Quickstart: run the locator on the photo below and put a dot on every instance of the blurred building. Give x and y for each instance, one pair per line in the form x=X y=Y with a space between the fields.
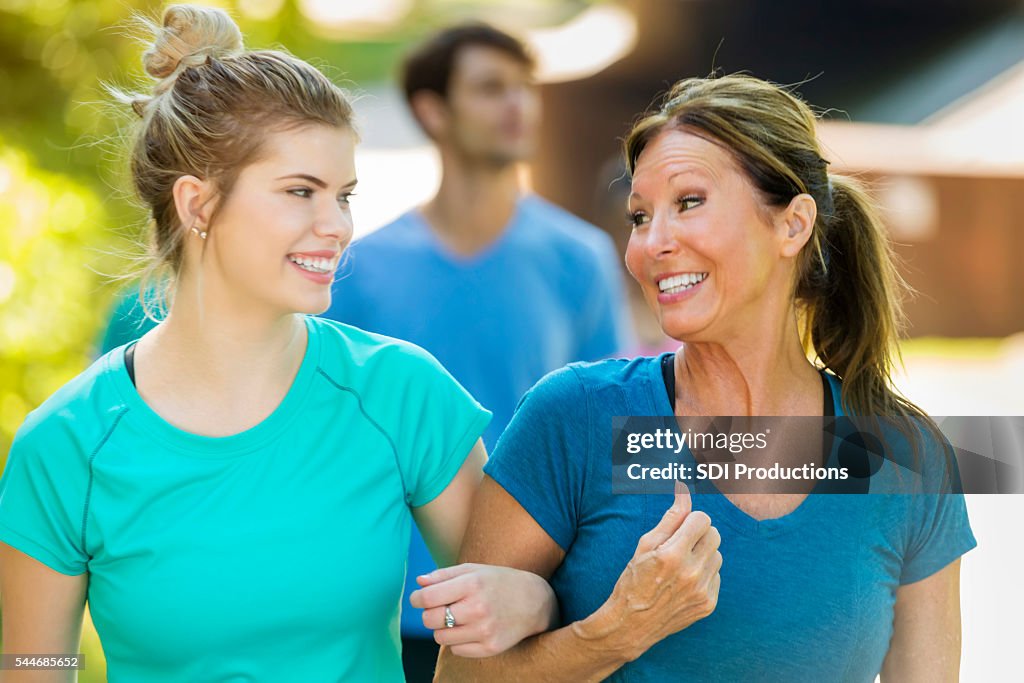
x=936 y=91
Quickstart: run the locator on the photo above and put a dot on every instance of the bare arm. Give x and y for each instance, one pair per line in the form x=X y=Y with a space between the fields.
x=42 y=613
x=925 y=642
x=443 y=520
x=671 y=582
x=495 y=607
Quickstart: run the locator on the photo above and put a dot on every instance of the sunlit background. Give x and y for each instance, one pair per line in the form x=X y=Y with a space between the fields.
x=924 y=98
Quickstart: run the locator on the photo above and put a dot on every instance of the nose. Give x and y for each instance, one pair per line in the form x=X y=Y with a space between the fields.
x=662 y=237
x=334 y=221
x=520 y=97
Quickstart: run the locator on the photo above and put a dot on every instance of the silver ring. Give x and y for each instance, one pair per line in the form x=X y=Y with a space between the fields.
x=449 y=619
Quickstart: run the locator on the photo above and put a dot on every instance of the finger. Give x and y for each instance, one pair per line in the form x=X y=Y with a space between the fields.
x=683 y=499
x=433 y=618
x=457 y=635
x=707 y=544
x=445 y=593
x=714 y=587
x=443 y=574
x=689 y=532
x=472 y=650
x=670 y=521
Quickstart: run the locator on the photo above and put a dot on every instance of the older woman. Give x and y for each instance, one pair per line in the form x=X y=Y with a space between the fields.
x=743 y=244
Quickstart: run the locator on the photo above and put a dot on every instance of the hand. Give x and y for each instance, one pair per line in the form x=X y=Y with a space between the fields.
x=671 y=582
x=494 y=607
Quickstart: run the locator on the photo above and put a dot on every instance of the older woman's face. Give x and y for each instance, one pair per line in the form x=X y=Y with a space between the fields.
x=704 y=248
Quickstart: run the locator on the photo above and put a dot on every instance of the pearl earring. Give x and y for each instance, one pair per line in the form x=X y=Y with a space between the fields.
x=201 y=233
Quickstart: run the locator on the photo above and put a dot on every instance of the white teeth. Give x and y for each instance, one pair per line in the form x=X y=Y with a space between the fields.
x=678 y=283
x=314 y=265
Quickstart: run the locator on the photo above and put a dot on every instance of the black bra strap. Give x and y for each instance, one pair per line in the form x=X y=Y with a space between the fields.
x=129 y=361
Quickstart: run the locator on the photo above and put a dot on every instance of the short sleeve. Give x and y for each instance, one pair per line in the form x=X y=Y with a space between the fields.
x=940 y=529
x=438 y=422
x=42 y=503
x=540 y=459
x=603 y=326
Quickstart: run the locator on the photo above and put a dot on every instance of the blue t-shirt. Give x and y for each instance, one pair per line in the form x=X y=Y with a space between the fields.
x=275 y=554
x=546 y=293
x=805 y=597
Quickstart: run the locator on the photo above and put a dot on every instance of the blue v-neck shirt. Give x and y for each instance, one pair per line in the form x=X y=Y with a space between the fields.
x=805 y=597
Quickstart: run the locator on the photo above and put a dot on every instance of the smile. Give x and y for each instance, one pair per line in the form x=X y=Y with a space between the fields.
x=680 y=283
x=314 y=264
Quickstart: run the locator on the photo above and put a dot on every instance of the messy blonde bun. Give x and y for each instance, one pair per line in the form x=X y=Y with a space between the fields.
x=209 y=115
x=188 y=37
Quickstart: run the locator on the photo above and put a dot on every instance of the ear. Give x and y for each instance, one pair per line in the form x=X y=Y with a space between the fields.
x=192 y=201
x=431 y=111
x=795 y=223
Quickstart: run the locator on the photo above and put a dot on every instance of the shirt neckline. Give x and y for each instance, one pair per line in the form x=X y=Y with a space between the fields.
x=460 y=260
x=156 y=427
x=715 y=503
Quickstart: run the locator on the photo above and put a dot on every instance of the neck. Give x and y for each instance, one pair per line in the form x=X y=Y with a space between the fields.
x=223 y=346
x=474 y=204
x=766 y=375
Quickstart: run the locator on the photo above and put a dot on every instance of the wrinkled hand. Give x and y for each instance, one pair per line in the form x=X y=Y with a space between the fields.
x=672 y=580
x=494 y=607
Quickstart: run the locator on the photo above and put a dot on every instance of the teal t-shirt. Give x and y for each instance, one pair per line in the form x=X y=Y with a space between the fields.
x=275 y=554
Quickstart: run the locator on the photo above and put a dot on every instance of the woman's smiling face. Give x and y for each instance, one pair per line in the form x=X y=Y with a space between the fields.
x=705 y=248
x=283 y=227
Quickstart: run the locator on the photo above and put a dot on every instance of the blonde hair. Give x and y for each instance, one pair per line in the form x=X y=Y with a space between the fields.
x=213 y=105
x=848 y=289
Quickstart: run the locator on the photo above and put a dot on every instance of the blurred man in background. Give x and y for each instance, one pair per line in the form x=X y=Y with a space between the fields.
x=500 y=285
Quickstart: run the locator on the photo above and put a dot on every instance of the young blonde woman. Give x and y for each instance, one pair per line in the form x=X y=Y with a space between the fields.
x=742 y=242
x=233 y=494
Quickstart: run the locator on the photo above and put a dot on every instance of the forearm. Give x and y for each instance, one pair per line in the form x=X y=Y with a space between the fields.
x=587 y=650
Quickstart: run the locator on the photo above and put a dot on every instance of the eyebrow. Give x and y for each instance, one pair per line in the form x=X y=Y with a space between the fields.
x=688 y=171
x=316 y=181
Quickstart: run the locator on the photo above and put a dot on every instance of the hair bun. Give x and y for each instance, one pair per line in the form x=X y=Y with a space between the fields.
x=188 y=31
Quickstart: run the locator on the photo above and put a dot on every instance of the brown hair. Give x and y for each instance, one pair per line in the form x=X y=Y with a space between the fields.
x=429 y=66
x=212 y=107
x=848 y=289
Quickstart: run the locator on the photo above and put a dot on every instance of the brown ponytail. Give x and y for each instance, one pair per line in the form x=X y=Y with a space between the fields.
x=850 y=299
